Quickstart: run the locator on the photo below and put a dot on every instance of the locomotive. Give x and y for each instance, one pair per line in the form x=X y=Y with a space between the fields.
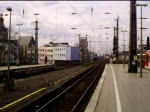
x=145 y=59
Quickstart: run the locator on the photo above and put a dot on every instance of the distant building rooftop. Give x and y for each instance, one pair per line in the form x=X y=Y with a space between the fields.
x=56 y=44
x=25 y=40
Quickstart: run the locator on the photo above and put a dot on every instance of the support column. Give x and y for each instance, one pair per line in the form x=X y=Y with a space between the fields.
x=132 y=65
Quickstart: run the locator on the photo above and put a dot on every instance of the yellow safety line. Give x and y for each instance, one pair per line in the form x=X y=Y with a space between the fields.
x=21 y=99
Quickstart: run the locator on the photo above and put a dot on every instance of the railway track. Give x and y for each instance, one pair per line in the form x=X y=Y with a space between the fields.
x=71 y=97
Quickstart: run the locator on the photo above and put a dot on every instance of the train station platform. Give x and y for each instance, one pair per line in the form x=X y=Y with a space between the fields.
x=120 y=91
x=3 y=68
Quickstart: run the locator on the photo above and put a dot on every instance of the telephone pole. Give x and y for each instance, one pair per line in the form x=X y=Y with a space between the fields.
x=141 y=51
x=36 y=42
x=114 y=44
x=117 y=39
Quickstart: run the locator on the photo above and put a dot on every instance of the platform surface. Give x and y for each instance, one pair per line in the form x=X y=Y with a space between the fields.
x=130 y=94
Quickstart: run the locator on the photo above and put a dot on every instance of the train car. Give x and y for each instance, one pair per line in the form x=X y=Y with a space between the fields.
x=143 y=60
x=147 y=59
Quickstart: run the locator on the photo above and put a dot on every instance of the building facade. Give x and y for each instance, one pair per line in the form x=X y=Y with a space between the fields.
x=3 y=40
x=3 y=30
x=41 y=55
x=4 y=45
x=61 y=53
x=75 y=53
x=58 y=51
x=44 y=52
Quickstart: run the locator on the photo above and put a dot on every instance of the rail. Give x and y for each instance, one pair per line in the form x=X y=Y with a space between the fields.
x=72 y=95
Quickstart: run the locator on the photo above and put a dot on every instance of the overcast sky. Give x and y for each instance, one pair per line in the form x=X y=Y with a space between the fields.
x=56 y=20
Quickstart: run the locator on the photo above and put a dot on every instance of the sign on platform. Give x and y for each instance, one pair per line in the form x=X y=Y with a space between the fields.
x=133 y=62
x=135 y=57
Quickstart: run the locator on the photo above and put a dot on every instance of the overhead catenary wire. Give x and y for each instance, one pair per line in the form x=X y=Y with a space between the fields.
x=78 y=14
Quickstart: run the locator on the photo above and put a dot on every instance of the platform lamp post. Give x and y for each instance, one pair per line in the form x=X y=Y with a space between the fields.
x=141 y=5
x=8 y=83
x=19 y=45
